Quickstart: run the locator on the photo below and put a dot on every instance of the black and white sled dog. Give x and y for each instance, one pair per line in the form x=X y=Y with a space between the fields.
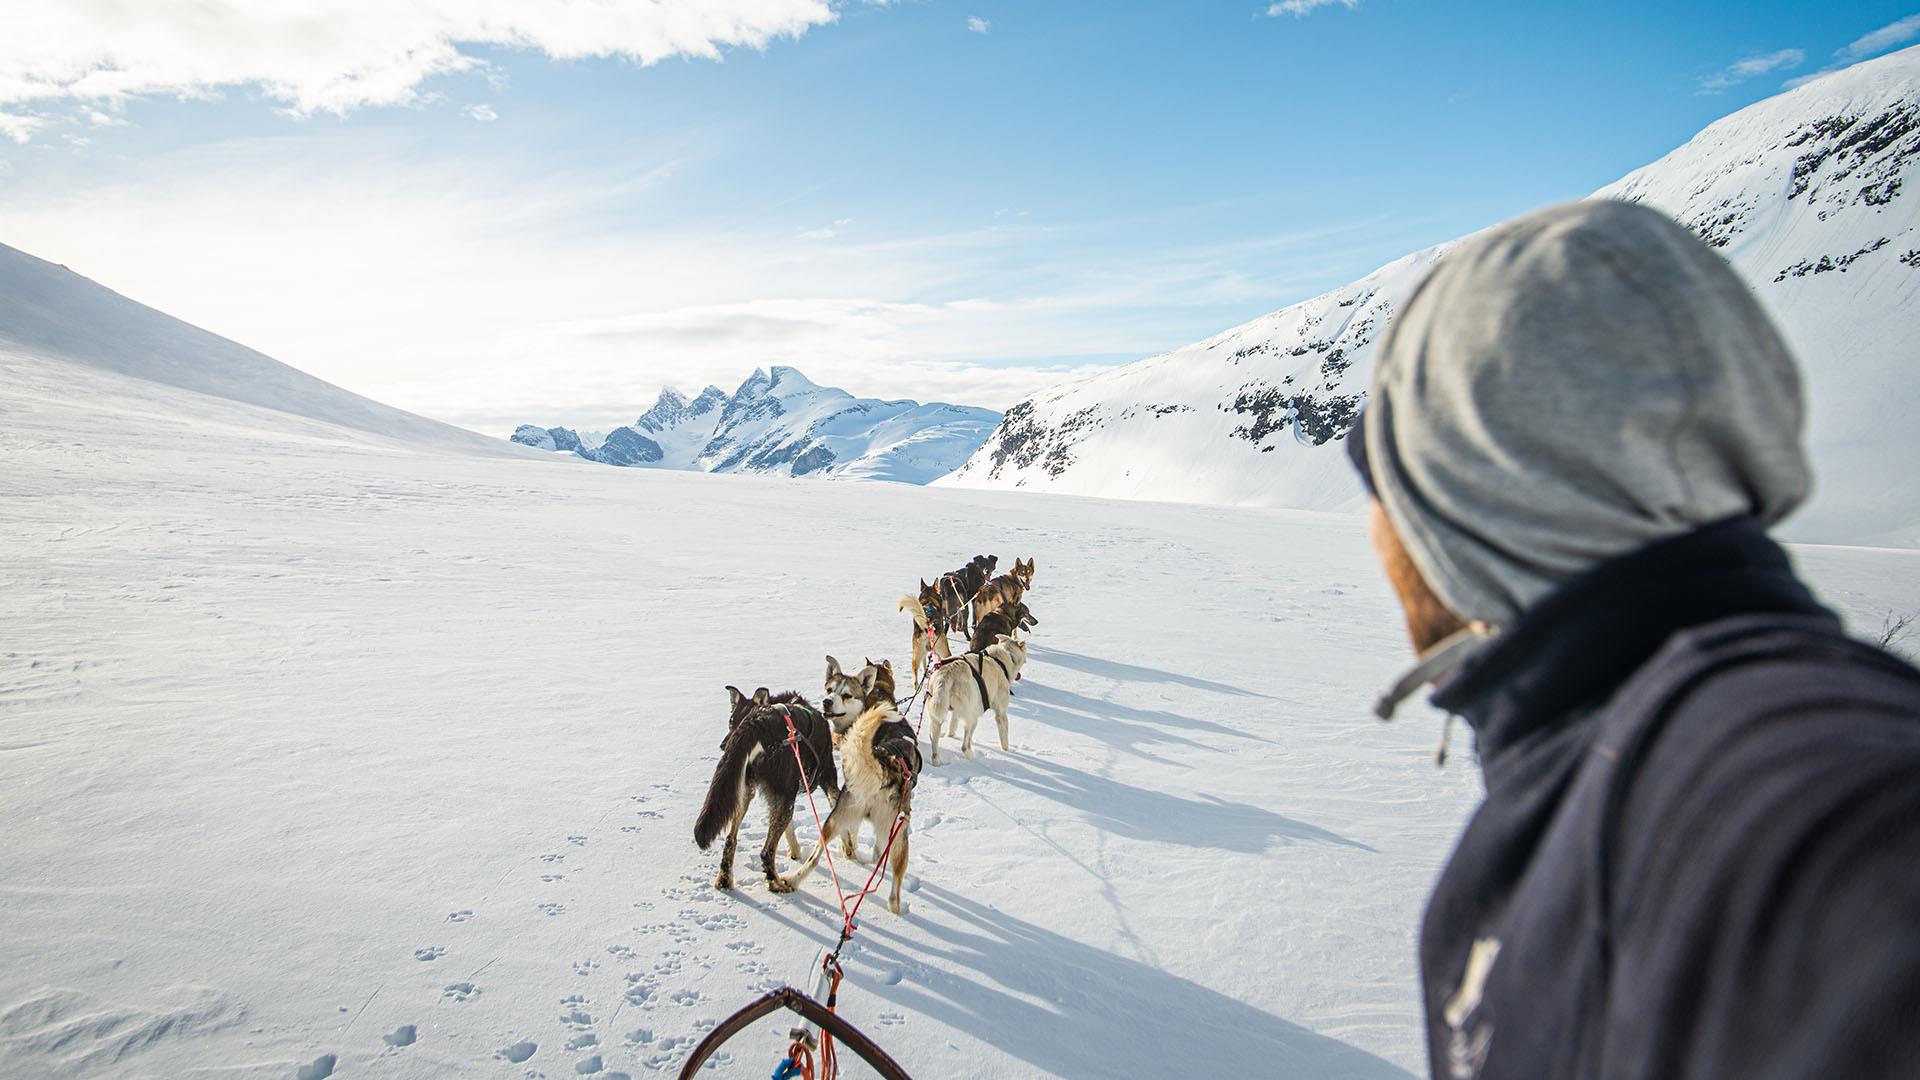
x=970 y=684
x=755 y=757
x=850 y=693
x=880 y=761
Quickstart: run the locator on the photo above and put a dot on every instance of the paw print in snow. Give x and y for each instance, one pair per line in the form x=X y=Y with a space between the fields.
x=431 y=952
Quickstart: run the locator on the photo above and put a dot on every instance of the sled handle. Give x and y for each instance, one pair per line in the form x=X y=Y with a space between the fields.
x=788 y=998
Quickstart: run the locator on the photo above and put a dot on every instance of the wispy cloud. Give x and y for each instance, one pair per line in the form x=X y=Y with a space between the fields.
x=335 y=56
x=1870 y=44
x=482 y=113
x=1879 y=41
x=1741 y=70
x=826 y=232
x=20 y=126
x=1302 y=8
x=977 y=24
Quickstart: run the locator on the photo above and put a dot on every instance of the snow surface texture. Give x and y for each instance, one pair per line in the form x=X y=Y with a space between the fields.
x=783 y=423
x=47 y=310
x=1814 y=195
x=314 y=765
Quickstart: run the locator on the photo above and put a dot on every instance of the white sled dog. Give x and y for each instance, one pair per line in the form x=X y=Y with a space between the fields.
x=969 y=685
x=880 y=765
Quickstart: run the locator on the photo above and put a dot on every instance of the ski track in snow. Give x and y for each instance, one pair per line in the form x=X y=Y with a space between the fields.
x=332 y=758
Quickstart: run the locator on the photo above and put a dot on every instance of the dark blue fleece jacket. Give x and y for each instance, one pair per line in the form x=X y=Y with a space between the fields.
x=1699 y=855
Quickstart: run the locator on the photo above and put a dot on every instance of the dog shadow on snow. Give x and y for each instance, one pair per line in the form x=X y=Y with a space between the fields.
x=1065 y=1007
x=1125 y=727
x=1124 y=672
x=1145 y=814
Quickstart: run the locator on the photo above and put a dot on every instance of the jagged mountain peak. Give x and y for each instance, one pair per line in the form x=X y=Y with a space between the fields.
x=787 y=380
x=780 y=421
x=755 y=385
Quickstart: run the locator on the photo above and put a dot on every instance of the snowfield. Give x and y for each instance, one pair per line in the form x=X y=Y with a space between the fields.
x=319 y=754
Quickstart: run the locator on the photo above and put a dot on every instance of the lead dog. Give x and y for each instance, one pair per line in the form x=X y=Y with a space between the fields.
x=1005 y=592
x=971 y=684
x=755 y=757
x=879 y=789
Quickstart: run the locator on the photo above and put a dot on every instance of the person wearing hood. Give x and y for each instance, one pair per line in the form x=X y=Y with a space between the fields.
x=1699 y=851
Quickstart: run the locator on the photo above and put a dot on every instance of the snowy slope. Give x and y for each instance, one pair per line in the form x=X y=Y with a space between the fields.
x=47 y=311
x=784 y=424
x=1814 y=195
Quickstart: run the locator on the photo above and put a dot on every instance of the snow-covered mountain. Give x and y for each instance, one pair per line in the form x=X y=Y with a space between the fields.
x=1811 y=195
x=52 y=318
x=781 y=422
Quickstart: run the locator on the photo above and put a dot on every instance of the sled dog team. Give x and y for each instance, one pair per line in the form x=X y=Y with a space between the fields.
x=879 y=762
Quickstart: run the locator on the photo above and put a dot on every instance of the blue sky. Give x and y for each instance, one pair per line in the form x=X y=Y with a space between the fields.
x=475 y=218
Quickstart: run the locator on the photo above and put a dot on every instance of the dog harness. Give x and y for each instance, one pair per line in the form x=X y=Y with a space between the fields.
x=787 y=710
x=976 y=669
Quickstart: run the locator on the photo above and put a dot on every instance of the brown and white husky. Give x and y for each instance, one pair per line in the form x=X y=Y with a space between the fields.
x=879 y=770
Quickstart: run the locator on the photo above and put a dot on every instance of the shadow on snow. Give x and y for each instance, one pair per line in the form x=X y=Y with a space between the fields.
x=1123 y=726
x=1068 y=1008
x=1123 y=672
x=1145 y=814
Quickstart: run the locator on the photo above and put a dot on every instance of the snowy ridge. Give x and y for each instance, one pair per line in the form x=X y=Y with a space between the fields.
x=51 y=314
x=780 y=422
x=1811 y=196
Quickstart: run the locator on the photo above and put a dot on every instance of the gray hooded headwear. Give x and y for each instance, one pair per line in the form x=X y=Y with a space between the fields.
x=1569 y=387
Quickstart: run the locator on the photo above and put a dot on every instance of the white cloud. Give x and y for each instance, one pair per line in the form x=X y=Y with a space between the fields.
x=977 y=24
x=482 y=113
x=1878 y=41
x=334 y=56
x=1866 y=45
x=19 y=126
x=1742 y=70
x=825 y=232
x=1301 y=8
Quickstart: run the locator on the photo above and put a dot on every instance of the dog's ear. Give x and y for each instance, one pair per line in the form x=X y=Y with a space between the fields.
x=734 y=698
x=1001 y=639
x=867 y=677
x=833 y=668
x=761 y=695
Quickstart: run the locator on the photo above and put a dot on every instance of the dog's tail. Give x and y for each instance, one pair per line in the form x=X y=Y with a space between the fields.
x=728 y=792
x=859 y=737
x=912 y=604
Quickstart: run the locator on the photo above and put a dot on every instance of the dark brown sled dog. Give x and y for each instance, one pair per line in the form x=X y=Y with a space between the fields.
x=755 y=757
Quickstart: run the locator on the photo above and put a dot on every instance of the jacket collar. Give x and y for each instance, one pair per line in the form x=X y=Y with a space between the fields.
x=1572 y=650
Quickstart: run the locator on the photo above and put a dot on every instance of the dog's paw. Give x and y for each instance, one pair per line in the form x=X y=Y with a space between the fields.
x=780 y=885
x=724 y=882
